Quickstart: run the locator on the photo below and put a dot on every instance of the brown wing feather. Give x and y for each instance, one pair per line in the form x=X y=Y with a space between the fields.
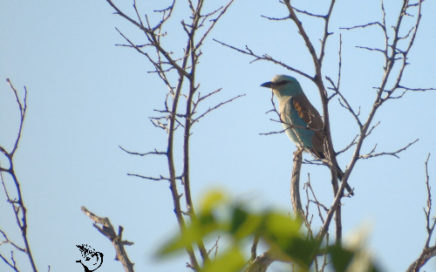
x=314 y=122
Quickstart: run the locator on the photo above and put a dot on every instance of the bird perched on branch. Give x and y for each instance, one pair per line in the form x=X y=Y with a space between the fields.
x=301 y=120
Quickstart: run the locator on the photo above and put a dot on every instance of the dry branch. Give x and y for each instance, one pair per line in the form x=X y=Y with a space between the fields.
x=178 y=74
x=295 y=184
x=104 y=226
x=428 y=251
x=15 y=198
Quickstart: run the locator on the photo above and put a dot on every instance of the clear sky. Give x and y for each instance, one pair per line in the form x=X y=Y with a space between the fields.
x=87 y=97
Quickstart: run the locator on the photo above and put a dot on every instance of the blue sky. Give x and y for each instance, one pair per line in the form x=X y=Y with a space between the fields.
x=87 y=97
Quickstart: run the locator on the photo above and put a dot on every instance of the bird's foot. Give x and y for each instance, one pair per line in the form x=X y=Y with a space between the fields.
x=298 y=152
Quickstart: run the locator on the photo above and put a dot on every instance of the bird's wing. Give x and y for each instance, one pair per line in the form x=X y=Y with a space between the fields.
x=307 y=112
x=313 y=122
x=295 y=127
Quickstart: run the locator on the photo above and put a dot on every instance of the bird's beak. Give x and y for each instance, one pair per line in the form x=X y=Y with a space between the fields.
x=267 y=84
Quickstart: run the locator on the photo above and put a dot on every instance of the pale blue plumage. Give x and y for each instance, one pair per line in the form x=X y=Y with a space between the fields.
x=299 y=134
x=302 y=122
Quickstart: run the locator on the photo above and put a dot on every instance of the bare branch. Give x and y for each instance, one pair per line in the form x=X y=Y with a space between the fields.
x=428 y=251
x=214 y=21
x=295 y=184
x=160 y=178
x=272 y=132
x=332 y=210
x=154 y=152
x=415 y=89
x=352 y=143
x=152 y=36
x=313 y=162
x=254 y=248
x=430 y=222
x=6 y=240
x=261 y=263
x=104 y=226
x=275 y=18
x=363 y=26
x=181 y=93
x=344 y=102
x=210 y=109
x=214 y=247
x=311 y=14
x=370 y=130
x=304 y=35
x=311 y=198
x=10 y=262
x=201 y=98
x=395 y=153
x=371 y=49
x=17 y=202
x=265 y=57
x=22 y=105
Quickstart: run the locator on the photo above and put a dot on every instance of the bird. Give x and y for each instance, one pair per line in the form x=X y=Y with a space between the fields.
x=302 y=122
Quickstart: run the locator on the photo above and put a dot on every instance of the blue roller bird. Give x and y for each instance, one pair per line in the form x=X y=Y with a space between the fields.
x=302 y=122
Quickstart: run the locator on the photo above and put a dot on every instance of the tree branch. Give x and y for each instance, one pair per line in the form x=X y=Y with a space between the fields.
x=17 y=203
x=395 y=153
x=104 y=226
x=295 y=184
x=428 y=251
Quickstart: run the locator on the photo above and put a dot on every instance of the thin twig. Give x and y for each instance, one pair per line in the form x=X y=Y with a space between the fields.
x=428 y=251
x=154 y=152
x=265 y=57
x=395 y=153
x=16 y=199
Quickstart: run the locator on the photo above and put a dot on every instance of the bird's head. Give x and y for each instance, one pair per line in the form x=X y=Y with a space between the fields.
x=283 y=85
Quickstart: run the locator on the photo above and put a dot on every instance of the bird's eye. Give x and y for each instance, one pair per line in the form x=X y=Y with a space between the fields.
x=280 y=83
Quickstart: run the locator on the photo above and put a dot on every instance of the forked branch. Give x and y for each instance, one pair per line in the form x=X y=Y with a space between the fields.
x=104 y=226
x=15 y=196
x=429 y=251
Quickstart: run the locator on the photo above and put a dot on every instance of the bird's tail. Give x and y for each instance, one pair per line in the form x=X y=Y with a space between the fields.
x=340 y=176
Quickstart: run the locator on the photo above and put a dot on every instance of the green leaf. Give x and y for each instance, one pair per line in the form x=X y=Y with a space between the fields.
x=282 y=225
x=287 y=241
x=243 y=223
x=341 y=257
x=193 y=233
x=231 y=260
x=211 y=200
x=344 y=259
x=301 y=250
